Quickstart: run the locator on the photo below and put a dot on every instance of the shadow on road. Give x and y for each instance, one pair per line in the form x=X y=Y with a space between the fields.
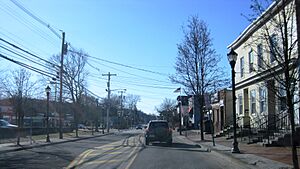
x=178 y=146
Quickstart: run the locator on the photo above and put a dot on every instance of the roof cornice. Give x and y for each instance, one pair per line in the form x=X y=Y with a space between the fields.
x=257 y=23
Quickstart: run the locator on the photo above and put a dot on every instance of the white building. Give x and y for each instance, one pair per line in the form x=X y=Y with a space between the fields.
x=260 y=87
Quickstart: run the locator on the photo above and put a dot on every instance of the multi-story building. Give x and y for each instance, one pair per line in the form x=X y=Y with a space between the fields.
x=221 y=107
x=262 y=48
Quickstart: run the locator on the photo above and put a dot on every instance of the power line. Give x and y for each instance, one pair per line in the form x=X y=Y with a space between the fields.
x=128 y=73
x=28 y=24
x=36 y=18
x=42 y=72
x=23 y=50
x=24 y=57
x=4 y=33
x=127 y=66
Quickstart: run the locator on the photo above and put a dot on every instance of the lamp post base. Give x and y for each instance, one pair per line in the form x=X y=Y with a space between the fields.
x=235 y=148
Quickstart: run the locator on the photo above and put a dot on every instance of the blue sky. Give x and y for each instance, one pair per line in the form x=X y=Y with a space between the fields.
x=139 y=33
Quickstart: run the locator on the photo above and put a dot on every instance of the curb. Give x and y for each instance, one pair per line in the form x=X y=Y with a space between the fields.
x=251 y=160
x=26 y=147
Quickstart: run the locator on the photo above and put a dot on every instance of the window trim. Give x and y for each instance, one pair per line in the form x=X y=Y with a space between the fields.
x=240 y=101
x=262 y=99
x=253 y=101
x=259 y=56
x=251 y=61
x=242 y=62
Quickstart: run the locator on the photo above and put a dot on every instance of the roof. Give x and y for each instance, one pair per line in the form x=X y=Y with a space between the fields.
x=257 y=23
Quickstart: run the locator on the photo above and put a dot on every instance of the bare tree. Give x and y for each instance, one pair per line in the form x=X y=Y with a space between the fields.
x=167 y=110
x=18 y=87
x=197 y=64
x=131 y=103
x=278 y=38
x=74 y=79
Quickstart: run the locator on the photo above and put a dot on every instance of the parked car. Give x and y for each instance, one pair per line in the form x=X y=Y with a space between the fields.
x=6 y=124
x=158 y=130
x=139 y=127
x=81 y=126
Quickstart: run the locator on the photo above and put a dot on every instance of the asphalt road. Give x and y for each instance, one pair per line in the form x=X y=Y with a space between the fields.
x=125 y=150
x=57 y=155
x=182 y=155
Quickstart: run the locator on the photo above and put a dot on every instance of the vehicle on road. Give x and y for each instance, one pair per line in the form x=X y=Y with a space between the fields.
x=81 y=126
x=6 y=124
x=139 y=127
x=158 y=130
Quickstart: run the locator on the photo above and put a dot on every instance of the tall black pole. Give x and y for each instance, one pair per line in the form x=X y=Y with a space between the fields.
x=235 y=148
x=47 y=117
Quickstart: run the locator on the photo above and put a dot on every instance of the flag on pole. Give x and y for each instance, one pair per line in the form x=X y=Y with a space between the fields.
x=177 y=90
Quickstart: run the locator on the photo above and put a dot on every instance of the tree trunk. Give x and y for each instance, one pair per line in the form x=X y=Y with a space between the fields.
x=201 y=116
x=293 y=138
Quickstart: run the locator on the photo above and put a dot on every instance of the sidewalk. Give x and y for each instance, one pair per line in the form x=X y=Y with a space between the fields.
x=26 y=144
x=252 y=154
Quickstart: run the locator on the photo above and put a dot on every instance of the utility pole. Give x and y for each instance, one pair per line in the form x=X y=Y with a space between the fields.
x=97 y=101
x=108 y=98
x=121 y=113
x=63 y=48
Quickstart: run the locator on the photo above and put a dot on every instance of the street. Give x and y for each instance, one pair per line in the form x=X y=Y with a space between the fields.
x=124 y=150
x=56 y=155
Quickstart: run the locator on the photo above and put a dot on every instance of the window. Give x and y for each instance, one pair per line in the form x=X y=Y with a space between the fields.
x=240 y=99
x=273 y=46
x=251 y=60
x=262 y=99
x=253 y=101
x=242 y=66
x=259 y=56
x=282 y=97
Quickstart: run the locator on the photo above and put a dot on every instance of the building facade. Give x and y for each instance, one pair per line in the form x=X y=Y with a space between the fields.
x=221 y=108
x=260 y=79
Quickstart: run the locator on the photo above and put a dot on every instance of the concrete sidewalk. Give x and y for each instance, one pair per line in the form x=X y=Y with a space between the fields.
x=251 y=154
x=12 y=146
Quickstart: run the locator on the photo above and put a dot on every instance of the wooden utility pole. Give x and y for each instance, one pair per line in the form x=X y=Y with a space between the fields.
x=60 y=82
x=108 y=99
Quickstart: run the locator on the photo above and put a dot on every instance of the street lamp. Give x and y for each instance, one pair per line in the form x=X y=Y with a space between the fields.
x=232 y=56
x=48 y=89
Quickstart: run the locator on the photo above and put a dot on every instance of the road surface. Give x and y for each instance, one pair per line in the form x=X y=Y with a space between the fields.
x=123 y=150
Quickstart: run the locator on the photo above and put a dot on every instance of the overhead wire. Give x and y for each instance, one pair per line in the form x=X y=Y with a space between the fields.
x=38 y=19
x=28 y=24
x=26 y=58
x=25 y=51
x=5 y=33
x=123 y=65
x=42 y=72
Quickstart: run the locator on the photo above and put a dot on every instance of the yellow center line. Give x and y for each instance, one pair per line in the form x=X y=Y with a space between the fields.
x=78 y=160
x=103 y=161
x=115 y=152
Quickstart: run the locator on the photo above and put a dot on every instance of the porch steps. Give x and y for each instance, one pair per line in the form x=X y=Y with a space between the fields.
x=284 y=139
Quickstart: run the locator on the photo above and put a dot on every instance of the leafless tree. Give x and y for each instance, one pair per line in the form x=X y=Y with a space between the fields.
x=197 y=64
x=167 y=110
x=18 y=87
x=74 y=79
x=277 y=37
x=131 y=101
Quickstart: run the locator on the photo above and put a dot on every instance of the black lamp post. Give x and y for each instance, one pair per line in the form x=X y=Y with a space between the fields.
x=48 y=89
x=232 y=56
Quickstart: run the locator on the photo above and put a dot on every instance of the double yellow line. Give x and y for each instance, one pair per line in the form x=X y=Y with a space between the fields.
x=77 y=162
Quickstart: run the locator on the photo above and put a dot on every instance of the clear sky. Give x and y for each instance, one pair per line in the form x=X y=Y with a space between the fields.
x=138 y=33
